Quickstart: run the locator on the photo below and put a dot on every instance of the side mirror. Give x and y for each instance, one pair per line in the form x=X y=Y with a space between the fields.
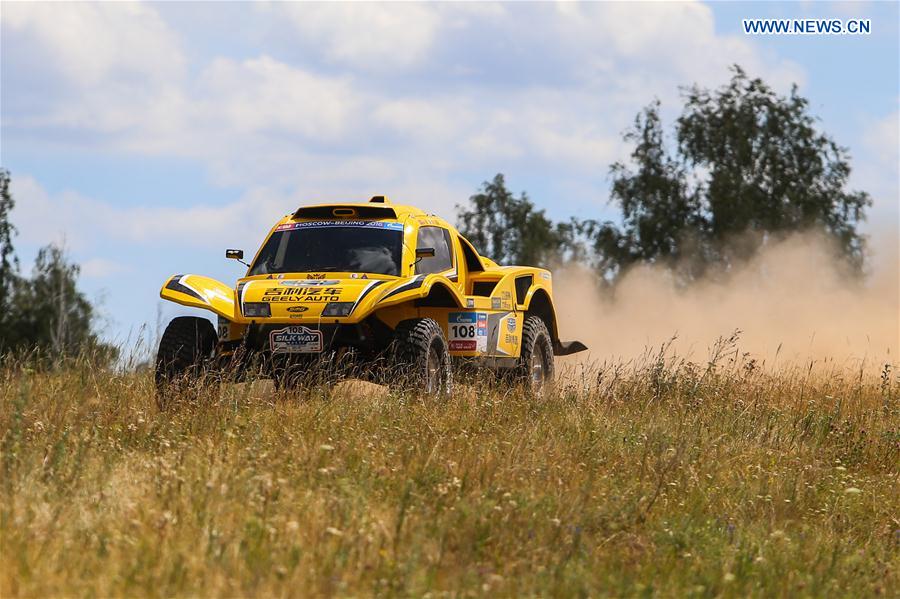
x=424 y=253
x=236 y=255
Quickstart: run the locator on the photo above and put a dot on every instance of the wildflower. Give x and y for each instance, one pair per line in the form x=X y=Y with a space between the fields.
x=729 y=577
x=334 y=531
x=326 y=447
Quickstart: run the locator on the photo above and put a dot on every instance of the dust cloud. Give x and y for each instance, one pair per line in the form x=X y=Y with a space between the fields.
x=792 y=303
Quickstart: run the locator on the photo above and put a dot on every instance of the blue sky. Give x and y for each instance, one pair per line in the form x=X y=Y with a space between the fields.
x=150 y=137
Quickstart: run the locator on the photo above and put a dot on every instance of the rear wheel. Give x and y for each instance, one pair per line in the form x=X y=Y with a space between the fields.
x=535 y=368
x=186 y=348
x=421 y=356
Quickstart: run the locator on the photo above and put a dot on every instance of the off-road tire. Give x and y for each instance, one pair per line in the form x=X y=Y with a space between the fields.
x=185 y=350
x=420 y=357
x=535 y=368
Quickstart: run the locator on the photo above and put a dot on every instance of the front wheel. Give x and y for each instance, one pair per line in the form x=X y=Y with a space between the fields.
x=535 y=367
x=421 y=356
x=187 y=345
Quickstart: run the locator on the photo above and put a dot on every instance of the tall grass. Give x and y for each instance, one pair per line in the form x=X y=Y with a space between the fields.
x=659 y=477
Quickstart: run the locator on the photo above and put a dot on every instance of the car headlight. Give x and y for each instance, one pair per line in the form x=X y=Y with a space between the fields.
x=257 y=310
x=337 y=309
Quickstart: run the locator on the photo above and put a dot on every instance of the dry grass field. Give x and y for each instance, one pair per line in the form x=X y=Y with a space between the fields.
x=657 y=477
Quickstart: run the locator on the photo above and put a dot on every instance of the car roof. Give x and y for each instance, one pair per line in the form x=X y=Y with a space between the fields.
x=379 y=208
x=400 y=209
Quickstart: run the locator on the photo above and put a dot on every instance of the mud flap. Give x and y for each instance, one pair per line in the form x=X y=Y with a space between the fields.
x=565 y=348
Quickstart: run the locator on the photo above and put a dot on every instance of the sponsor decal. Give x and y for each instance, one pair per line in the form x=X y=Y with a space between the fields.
x=545 y=276
x=511 y=324
x=463 y=345
x=302 y=294
x=365 y=224
x=462 y=317
x=315 y=282
x=470 y=303
x=316 y=275
x=295 y=340
x=512 y=340
x=467 y=331
x=297 y=309
x=495 y=303
x=223 y=326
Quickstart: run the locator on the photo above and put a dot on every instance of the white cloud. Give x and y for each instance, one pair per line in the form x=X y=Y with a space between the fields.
x=101 y=268
x=98 y=67
x=877 y=170
x=92 y=43
x=882 y=139
x=83 y=222
x=437 y=119
x=666 y=46
x=263 y=94
x=554 y=101
x=369 y=35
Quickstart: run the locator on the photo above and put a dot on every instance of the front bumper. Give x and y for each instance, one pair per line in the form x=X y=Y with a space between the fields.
x=278 y=338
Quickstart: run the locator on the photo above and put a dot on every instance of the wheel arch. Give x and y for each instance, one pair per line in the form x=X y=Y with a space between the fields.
x=540 y=305
x=440 y=295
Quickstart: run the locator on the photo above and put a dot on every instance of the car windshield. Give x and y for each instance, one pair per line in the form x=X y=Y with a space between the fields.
x=367 y=247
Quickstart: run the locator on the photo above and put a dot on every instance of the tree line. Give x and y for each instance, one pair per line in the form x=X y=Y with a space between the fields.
x=741 y=167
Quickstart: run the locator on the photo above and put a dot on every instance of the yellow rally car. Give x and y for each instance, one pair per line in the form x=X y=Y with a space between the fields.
x=398 y=294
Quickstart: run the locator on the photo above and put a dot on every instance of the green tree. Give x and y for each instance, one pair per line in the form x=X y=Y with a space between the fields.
x=510 y=230
x=745 y=165
x=8 y=262
x=49 y=312
x=45 y=313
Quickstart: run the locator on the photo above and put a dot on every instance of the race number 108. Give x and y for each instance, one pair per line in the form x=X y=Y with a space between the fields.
x=463 y=331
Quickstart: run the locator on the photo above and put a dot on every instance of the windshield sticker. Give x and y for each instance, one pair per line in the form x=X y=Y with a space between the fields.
x=366 y=224
x=309 y=283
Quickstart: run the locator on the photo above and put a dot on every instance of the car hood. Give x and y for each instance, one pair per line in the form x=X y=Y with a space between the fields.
x=298 y=298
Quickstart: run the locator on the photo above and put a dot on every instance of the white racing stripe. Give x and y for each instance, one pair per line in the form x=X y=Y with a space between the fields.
x=363 y=294
x=184 y=281
x=244 y=291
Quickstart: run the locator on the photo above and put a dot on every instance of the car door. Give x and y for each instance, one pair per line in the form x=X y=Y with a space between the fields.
x=438 y=238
